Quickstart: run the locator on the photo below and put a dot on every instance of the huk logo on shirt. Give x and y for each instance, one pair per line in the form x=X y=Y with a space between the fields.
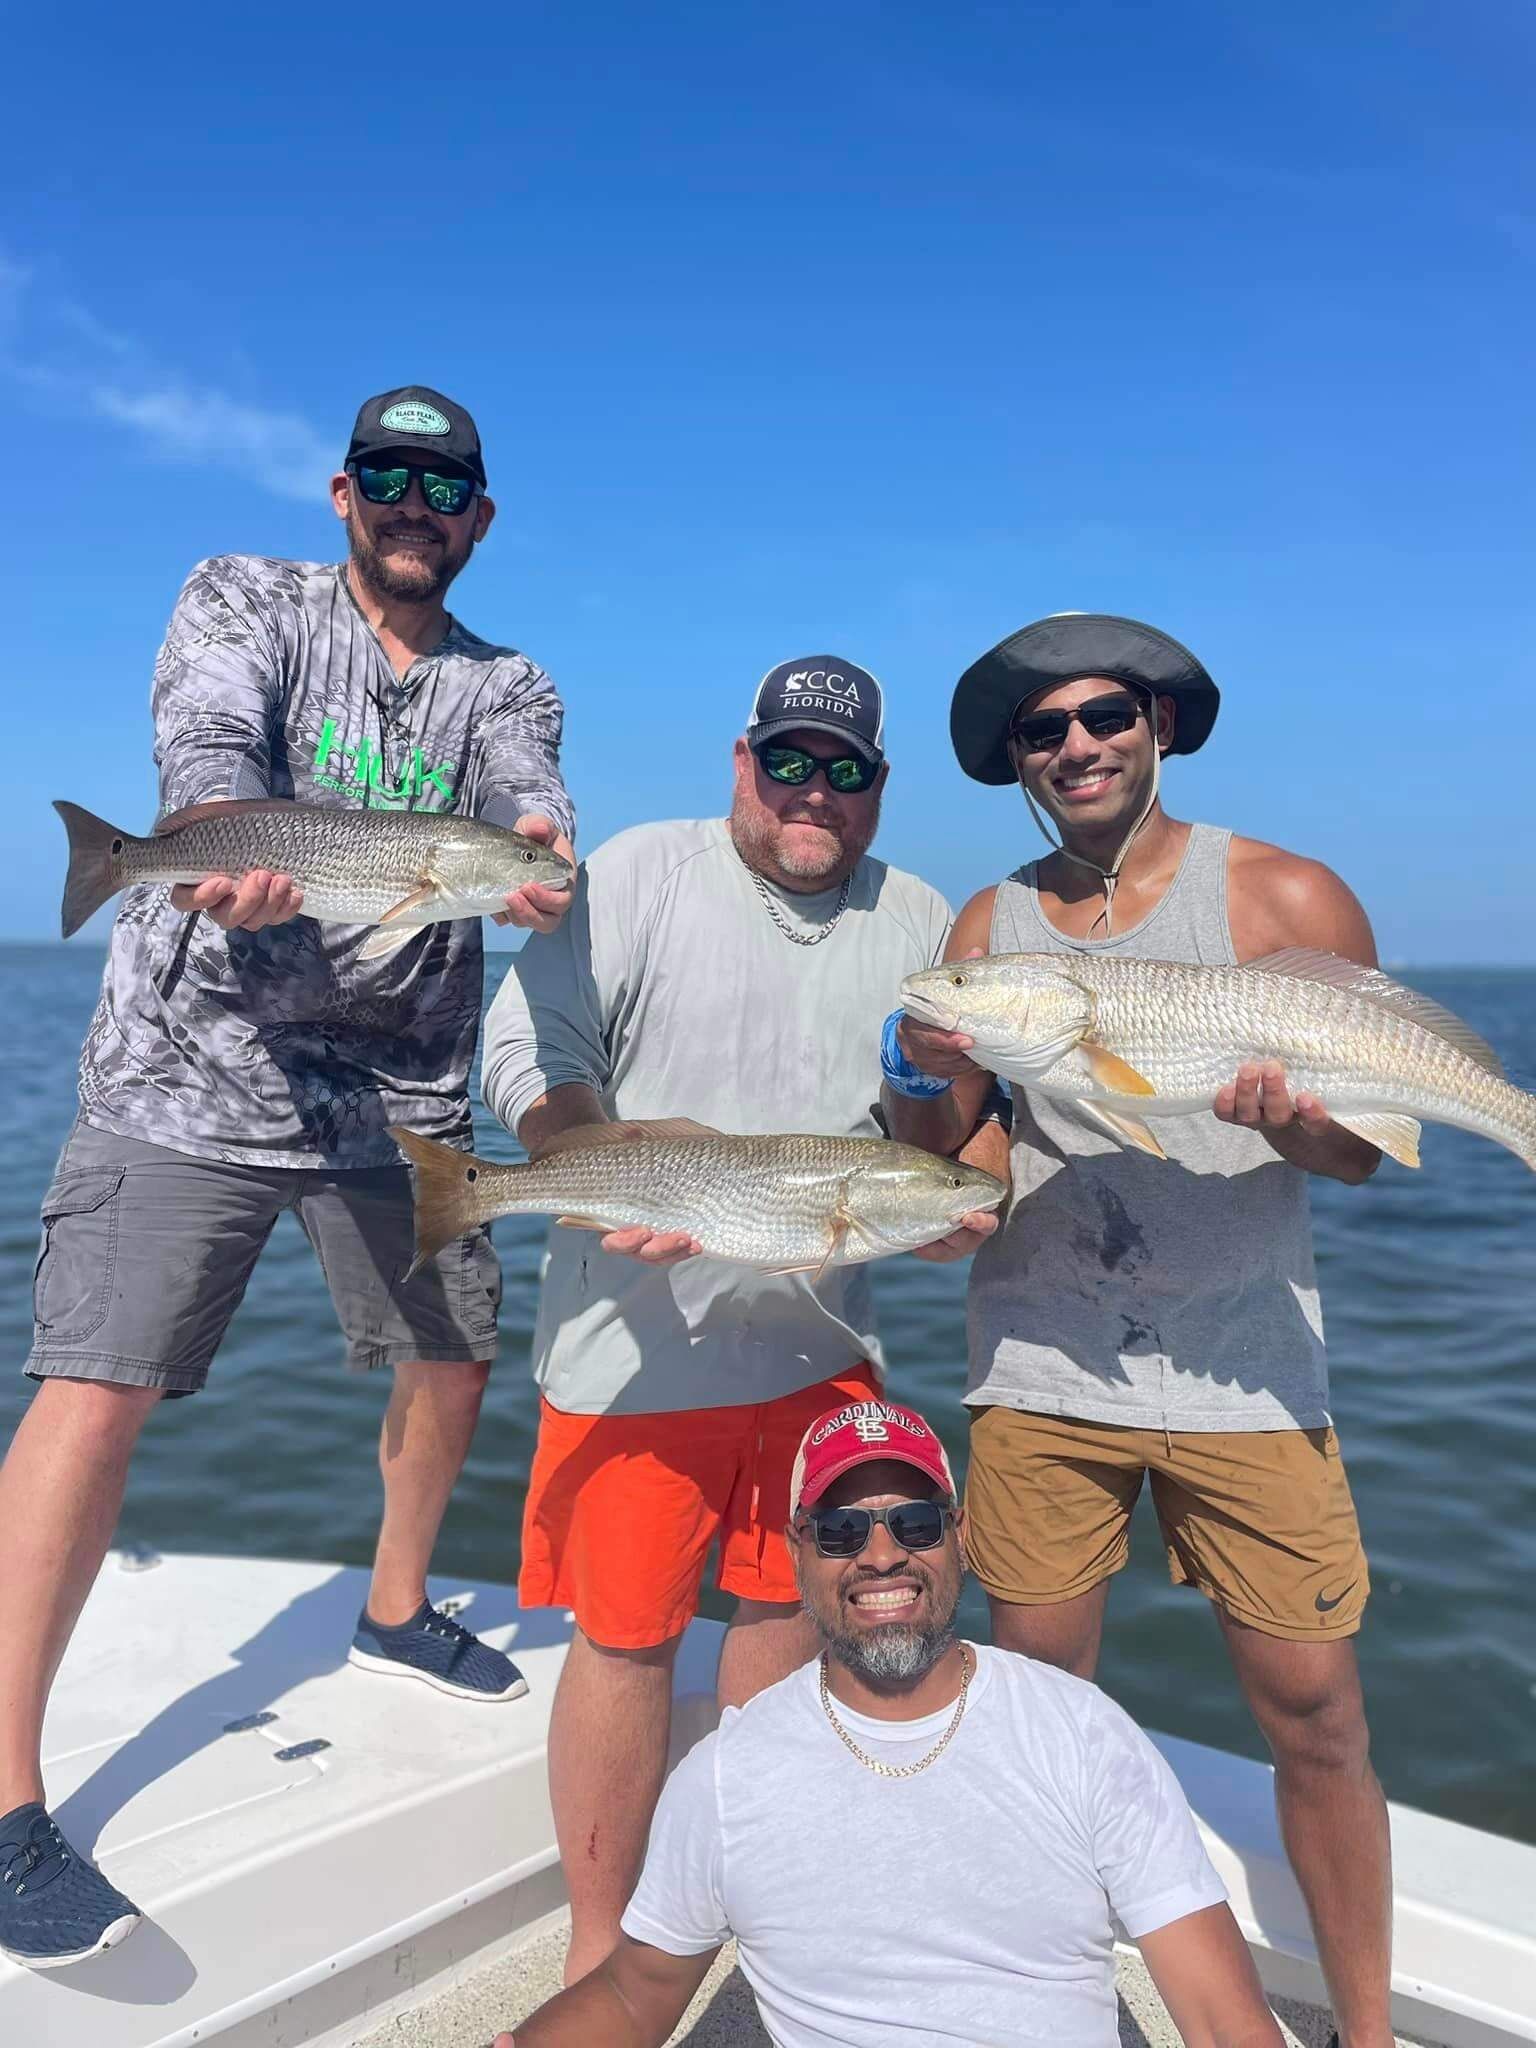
x=348 y=766
x=414 y=416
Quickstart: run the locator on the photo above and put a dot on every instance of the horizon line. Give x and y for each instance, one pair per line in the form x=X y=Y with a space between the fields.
x=1396 y=965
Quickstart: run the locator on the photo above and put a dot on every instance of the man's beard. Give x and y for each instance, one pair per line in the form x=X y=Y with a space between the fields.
x=759 y=839
x=424 y=584
x=898 y=1653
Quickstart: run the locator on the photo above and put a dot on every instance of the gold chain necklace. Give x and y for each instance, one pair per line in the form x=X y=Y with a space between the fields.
x=901 y=1770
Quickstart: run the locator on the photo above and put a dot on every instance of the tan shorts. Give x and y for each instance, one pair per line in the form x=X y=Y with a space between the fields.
x=1260 y=1522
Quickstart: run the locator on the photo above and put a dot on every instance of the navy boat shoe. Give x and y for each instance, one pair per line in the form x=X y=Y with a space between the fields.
x=436 y=1649
x=55 y=1908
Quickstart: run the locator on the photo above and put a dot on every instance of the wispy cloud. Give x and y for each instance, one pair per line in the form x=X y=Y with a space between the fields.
x=67 y=361
x=96 y=332
x=281 y=450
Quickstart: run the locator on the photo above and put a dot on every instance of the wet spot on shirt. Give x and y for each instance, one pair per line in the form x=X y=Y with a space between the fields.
x=1121 y=1237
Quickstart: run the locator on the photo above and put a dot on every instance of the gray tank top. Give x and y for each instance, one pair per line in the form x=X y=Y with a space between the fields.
x=1158 y=1294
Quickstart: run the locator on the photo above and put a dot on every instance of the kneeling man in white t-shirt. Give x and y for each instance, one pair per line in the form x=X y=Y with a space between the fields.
x=917 y=1842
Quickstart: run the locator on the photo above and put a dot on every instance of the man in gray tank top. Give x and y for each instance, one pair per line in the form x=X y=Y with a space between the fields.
x=1136 y=1316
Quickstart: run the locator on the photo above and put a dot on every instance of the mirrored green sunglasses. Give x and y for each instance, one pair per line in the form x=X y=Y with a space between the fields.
x=848 y=774
x=450 y=494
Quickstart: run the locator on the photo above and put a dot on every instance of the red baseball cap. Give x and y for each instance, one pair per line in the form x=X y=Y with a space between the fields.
x=859 y=1434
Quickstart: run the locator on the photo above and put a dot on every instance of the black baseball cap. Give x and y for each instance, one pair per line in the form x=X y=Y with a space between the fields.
x=417 y=417
x=1062 y=649
x=826 y=693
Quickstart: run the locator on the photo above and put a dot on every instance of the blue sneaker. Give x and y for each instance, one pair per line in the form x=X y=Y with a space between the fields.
x=434 y=1648
x=55 y=1908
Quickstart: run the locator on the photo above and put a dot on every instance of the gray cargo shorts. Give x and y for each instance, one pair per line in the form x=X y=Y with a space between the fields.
x=146 y=1253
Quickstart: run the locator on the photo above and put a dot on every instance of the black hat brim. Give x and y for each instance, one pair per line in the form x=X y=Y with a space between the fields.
x=773 y=727
x=1061 y=650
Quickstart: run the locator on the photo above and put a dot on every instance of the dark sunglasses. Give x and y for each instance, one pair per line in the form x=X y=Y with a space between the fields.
x=450 y=494
x=849 y=774
x=913 y=1525
x=1043 y=731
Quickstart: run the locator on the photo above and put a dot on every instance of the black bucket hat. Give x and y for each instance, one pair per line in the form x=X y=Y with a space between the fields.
x=1060 y=649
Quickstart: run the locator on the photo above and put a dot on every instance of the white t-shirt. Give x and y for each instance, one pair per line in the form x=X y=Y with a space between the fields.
x=968 y=1905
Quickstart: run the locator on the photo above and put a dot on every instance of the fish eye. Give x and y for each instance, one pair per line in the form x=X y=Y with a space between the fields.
x=957 y=981
x=528 y=856
x=955 y=1181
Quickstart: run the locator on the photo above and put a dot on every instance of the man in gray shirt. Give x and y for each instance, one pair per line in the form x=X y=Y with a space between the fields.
x=1144 y=1317
x=736 y=971
x=247 y=1060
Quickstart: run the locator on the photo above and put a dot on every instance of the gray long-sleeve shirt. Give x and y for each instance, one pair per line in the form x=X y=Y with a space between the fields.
x=281 y=1047
x=670 y=991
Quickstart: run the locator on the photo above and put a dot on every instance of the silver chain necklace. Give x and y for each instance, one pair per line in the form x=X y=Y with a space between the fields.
x=901 y=1770
x=799 y=938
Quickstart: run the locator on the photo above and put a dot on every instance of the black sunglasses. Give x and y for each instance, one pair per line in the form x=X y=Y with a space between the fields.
x=848 y=774
x=1043 y=731
x=450 y=494
x=913 y=1525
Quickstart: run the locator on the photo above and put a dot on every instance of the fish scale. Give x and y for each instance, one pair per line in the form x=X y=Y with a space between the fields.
x=775 y=1202
x=1367 y=1046
x=353 y=866
x=1189 y=1029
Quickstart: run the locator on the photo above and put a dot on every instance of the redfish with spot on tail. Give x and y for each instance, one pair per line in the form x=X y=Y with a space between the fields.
x=782 y=1204
x=1127 y=1040
x=398 y=870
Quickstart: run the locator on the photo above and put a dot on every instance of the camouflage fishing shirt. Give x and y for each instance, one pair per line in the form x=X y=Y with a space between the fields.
x=281 y=1047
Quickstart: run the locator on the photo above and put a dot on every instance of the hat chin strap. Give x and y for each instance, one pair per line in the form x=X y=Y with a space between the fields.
x=1109 y=876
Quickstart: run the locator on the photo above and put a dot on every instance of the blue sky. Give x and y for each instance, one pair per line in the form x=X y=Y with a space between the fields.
x=872 y=328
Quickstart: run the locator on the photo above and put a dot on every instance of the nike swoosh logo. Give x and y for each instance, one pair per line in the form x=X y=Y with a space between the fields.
x=1327 y=1606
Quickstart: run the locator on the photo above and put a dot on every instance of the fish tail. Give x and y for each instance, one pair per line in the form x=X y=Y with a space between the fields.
x=448 y=1198
x=95 y=876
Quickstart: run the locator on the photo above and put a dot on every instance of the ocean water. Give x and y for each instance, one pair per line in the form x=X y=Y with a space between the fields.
x=1429 y=1287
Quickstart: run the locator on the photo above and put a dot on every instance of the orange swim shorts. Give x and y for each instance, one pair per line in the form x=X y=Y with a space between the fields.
x=622 y=1509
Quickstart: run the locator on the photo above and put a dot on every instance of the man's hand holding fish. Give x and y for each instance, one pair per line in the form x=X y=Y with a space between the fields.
x=247 y=905
x=537 y=907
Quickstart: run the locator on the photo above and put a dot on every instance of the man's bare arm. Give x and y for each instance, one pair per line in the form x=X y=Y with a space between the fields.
x=1279 y=900
x=632 y=2000
x=1205 y=1976
x=563 y=1109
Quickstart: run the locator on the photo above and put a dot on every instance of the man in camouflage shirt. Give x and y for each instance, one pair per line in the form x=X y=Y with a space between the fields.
x=244 y=1060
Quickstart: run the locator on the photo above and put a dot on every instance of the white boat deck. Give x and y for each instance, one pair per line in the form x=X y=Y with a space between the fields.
x=330 y=1857
x=724 y=2015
